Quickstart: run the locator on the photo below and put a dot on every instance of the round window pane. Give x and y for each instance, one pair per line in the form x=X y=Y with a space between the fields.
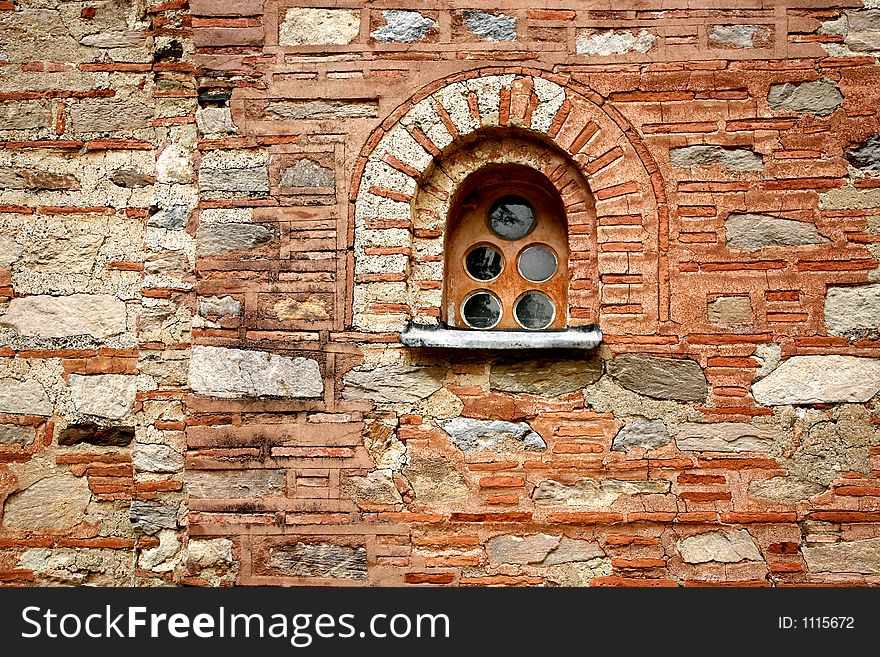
x=511 y=217
x=537 y=263
x=534 y=310
x=484 y=263
x=481 y=310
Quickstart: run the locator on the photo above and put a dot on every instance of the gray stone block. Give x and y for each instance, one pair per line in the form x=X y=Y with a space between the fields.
x=659 y=377
x=853 y=312
x=230 y=373
x=16 y=434
x=393 y=383
x=156 y=458
x=219 y=238
x=492 y=27
x=110 y=115
x=27 y=397
x=235 y=484
x=820 y=97
x=731 y=546
x=866 y=156
x=319 y=560
x=109 y=396
x=730 y=310
x=546 y=377
x=520 y=549
x=403 y=27
x=492 y=435
x=151 y=516
x=735 y=159
x=756 y=231
x=724 y=437
x=860 y=556
x=312 y=27
x=96 y=315
x=819 y=380
x=174 y=218
x=55 y=503
x=307 y=173
x=647 y=434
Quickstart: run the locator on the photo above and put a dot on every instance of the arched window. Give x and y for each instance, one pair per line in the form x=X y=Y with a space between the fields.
x=506 y=252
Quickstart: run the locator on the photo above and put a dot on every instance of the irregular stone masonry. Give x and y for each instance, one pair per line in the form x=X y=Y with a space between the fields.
x=216 y=218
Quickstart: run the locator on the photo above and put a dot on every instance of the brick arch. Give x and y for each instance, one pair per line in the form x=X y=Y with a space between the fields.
x=396 y=274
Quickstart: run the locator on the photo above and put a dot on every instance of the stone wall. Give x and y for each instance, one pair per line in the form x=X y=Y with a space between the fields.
x=215 y=218
x=98 y=189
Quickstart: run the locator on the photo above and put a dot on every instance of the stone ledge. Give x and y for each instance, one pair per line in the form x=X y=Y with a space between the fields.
x=581 y=337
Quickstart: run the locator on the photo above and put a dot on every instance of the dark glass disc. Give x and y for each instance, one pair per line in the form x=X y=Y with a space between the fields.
x=484 y=263
x=511 y=217
x=481 y=310
x=534 y=311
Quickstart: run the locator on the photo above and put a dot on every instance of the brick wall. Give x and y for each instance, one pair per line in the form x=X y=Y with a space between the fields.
x=217 y=217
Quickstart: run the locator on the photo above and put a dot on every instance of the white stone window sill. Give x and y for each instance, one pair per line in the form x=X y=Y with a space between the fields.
x=581 y=337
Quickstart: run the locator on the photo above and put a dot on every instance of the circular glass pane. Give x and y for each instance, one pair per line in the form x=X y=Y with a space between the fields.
x=481 y=310
x=484 y=263
x=537 y=263
x=511 y=217
x=534 y=310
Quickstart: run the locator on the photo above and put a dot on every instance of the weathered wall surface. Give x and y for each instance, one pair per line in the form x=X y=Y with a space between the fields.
x=98 y=186
x=215 y=218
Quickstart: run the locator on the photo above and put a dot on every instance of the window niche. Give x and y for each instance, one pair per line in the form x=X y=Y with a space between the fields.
x=506 y=253
x=509 y=273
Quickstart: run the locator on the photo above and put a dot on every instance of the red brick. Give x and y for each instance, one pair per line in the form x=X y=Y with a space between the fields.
x=584 y=518
x=458 y=540
x=804 y=183
x=16 y=575
x=112 y=457
x=226 y=8
x=675 y=464
x=836 y=265
x=751 y=583
x=429 y=578
x=503 y=500
x=700 y=479
x=673 y=128
x=413 y=517
x=651 y=96
x=111 y=543
x=502 y=482
x=858 y=491
x=619 y=539
x=845 y=516
x=492 y=467
x=638 y=563
x=632 y=582
x=644 y=268
x=744 y=517
x=652 y=516
x=785 y=567
x=313 y=452
x=451 y=562
x=513 y=516
x=738 y=463
x=700 y=496
x=550 y=14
